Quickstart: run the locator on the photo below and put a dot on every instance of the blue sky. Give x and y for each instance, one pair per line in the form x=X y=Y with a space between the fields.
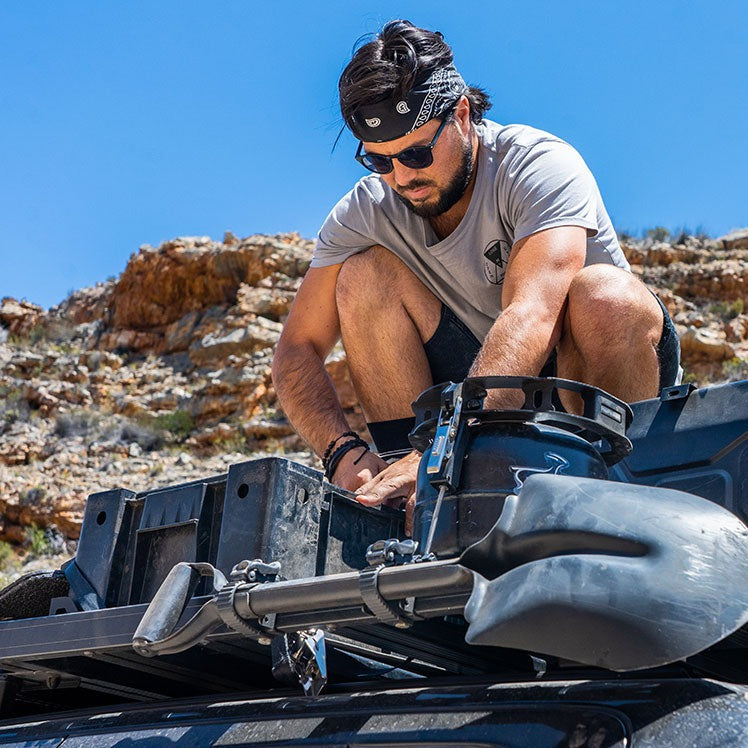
x=125 y=123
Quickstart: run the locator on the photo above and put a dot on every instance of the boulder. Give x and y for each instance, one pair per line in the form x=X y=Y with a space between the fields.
x=737 y=239
x=260 y=334
x=160 y=286
x=20 y=317
x=736 y=330
x=705 y=345
x=86 y=305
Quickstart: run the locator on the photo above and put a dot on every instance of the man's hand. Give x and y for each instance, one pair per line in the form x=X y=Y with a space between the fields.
x=357 y=468
x=393 y=486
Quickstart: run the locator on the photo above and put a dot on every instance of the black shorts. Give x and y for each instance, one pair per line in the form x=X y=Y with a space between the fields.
x=453 y=348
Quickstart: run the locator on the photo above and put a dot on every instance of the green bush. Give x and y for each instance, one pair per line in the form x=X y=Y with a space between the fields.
x=8 y=564
x=624 y=235
x=37 y=334
x=179 y=423
x=658 y=234
x=727 y=309
x=13 y=405
x=6 y=553
x=144 y=434
x=32 y=496
x=77 y=423
x=40 y=542
x=735 y=369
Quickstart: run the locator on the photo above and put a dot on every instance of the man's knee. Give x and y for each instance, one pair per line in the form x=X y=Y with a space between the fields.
x=376 y=280
x=363 y=277
x=608 y=299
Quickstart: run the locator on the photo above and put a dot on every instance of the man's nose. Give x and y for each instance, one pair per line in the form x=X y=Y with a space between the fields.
x=403 y=174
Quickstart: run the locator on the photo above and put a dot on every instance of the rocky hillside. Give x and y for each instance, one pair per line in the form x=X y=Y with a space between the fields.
x=163 y=375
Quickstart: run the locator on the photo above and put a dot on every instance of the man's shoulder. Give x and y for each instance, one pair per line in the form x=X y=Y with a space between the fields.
x=365 y=195
x=503 y=138
x=370 y=187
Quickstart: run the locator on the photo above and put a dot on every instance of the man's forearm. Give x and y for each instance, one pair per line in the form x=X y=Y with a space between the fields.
x=307 y=395
x=516 y=345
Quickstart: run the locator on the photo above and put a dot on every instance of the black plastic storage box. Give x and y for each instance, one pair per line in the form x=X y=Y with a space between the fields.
x=270 y=509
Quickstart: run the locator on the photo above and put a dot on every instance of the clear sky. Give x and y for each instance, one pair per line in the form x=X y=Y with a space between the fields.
x=125 y=123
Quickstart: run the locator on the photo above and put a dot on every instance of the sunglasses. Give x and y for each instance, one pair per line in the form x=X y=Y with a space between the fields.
x=415 y=157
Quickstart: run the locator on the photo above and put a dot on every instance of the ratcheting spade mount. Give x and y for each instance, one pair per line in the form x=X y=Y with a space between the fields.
x=478 y=456
x=289 y=614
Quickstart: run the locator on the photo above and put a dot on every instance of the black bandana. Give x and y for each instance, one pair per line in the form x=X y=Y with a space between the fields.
x=393 y=118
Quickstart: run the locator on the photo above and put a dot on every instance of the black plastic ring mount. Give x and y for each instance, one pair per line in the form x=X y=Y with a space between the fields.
x=604 y=418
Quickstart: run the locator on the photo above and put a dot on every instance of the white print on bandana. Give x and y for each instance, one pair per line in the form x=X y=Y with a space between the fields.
x=402 y=107
x=373 y=122
x=427 y=107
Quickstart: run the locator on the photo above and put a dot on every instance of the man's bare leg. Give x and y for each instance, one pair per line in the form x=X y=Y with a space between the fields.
x=386 y=315
x=611 y=330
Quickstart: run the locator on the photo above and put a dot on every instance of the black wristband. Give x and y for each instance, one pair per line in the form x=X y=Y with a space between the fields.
x=333 y=442
x=331 y=465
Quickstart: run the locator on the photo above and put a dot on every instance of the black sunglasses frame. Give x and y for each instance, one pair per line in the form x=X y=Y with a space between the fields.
x=415 y=157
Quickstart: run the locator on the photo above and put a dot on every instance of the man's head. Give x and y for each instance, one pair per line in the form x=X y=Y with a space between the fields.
x=433 y=190
x=403 y=98
x=400 y=80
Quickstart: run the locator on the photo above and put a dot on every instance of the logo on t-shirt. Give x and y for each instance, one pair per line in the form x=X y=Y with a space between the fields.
x=496 y=256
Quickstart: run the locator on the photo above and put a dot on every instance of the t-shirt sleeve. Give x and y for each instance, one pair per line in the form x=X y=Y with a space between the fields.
x=346 y=229
x=549 y=185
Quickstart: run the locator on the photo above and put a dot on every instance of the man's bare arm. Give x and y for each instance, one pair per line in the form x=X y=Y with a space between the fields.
x=301 y=381
x=538 y=277
x=304 y=388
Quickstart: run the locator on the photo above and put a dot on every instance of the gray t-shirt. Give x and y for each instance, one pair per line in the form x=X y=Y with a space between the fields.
x=526 y=180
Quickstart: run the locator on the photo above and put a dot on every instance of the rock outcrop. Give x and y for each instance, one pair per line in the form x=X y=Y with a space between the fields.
x=160 y=376
x=704 y=284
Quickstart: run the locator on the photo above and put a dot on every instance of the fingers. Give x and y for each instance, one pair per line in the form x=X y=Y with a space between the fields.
x=410 y=505
x=390 y=491
x=398 y=481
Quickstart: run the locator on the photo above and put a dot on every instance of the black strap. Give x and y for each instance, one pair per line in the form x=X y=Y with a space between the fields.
x=381 y=609
x=228 y=614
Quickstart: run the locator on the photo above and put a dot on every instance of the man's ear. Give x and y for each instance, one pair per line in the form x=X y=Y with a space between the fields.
x=462 y=113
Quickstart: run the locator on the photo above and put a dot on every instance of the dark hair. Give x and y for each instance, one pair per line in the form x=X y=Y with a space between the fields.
x=389 y=65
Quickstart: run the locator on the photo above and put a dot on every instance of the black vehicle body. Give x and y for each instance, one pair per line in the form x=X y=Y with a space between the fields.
x=596 y=712
x=236 y=643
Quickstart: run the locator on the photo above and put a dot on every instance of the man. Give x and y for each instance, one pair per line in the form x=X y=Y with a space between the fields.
x=473 y=249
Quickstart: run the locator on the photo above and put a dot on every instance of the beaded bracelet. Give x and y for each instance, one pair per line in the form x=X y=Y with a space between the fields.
x=332 y=444
x=331 y=465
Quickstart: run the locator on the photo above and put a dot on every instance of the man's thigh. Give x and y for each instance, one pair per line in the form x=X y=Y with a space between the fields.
x=668 y=353
x=375 y=283
x=450 y=353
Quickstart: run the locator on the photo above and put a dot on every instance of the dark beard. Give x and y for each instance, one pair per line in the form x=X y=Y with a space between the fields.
x=450 y=194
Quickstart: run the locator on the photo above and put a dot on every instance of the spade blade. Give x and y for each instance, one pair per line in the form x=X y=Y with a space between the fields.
x=608 y=574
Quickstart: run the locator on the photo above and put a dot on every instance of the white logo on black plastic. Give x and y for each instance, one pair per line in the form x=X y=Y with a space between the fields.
x=556 y=464
x=402 y=107
x=373 y=122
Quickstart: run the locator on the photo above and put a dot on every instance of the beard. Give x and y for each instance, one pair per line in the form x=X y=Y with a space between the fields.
x=450 y=194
